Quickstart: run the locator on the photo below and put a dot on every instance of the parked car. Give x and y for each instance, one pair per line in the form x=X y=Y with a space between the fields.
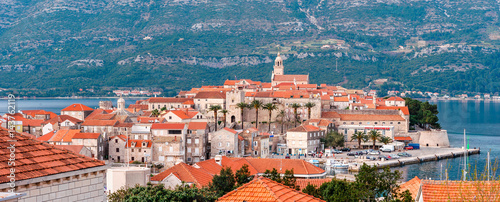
x=373 y=158
x=383 y=157
x=393 y=156
x=408 y=148
x=374 y=152
x=404 y=154
x=337 y=151
x=352 y=154
x=346 y=149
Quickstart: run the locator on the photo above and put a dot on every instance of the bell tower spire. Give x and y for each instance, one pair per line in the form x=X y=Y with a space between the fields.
x=278 y=66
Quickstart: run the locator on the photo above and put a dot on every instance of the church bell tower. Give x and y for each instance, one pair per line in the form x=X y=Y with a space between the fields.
x=278 y=66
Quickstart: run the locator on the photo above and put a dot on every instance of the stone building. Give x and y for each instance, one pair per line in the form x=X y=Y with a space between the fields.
x=304 y=139
x=46 y=173
x=93 y=141
x=226 y=142
x=196 y=142
x=117 y=151
x=78 y=111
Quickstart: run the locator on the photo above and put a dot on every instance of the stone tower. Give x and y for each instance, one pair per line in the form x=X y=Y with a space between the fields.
x=278 y=66
x=121 y=104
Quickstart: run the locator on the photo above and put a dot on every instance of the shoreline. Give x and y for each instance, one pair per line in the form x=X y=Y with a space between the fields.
x=72 y=98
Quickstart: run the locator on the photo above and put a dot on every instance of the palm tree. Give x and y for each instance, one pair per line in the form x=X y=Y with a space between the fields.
x=309 y=105
x=215 y=108
x=242 y=107
x=256 y=104
x=281 y=115
x=163 y=109
x=155 y=113
x=295 y=106
x=270 y=107
x=385 y=140
x=224 y=111
x=374 y=136
x=358 y=136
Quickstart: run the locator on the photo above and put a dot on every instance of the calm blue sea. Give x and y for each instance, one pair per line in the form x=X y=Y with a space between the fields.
x=480 y=119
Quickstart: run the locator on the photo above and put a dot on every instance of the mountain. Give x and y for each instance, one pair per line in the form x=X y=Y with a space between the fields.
x=58 y=47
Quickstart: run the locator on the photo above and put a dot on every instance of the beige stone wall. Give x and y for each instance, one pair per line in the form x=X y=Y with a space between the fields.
x=120 y=144
x=203 y=105
x=306 y=141
x=223 y=140
x=434 y=138
x=86 y=187
x=195 y=146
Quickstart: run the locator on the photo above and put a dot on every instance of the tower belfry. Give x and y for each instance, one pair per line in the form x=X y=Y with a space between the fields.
x=278 y=66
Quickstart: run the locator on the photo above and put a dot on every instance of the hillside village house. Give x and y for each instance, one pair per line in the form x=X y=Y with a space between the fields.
x=169 y=143
x=197 y=142
x=226 y=142
x=256 y=144
x=46 y=173
x=139 y=150
x=304 y=139
x=117 y=151
x=78 y=111
x=60 y=122
x=93 y=141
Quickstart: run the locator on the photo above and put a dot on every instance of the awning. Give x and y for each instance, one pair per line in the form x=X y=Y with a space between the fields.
x=402 y=138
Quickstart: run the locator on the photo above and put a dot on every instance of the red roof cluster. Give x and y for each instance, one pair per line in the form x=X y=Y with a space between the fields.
x=37 y=159
x=77 y=107
x=263 y=189
x=186 y=173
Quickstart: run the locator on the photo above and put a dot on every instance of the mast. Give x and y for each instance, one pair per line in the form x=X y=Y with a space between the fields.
x=488 y=163
x=465 y=157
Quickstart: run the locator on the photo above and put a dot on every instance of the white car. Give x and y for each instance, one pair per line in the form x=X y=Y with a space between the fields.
x=374 y=152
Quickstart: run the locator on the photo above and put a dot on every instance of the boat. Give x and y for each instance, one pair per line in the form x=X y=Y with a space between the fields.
x=337 y=164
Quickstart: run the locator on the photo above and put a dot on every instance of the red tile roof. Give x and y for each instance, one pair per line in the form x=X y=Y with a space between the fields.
x=210 y=95
x=73 y=148
x=290 y=77
x=180 y=114
x=46 y=137
x=168 y=126
x=370 y=117
x=402 y=138
x=122 y=137
x=186 y=173
x=395 y=99
x=94 y=122
x=197 y=125
x=32 y=122
x=230 y=130
x=37 y=159
x=403 y=109
x=412 y=185
x=62 y=118
x=260 y=165
x=330 y=115
x=302 y=183
x=263 y=189
x=460 y=190
x=240 y=138
x=138 y=106
x=319 y=122
x=86 y=136
x=304 y=128
x=33 y=113
x=341 y=99
x=168 y=100
x=77 y=107
x=138 y=143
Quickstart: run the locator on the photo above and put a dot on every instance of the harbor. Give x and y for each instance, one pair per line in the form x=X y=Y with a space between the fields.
x=425 y=154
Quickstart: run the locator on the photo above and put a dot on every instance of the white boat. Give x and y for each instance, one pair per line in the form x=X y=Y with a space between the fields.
x=337 y=164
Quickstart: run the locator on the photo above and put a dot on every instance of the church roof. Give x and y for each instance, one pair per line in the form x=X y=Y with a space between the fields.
x=291 y=77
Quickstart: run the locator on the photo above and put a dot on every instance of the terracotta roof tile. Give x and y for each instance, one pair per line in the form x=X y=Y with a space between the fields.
x=230 y=130
x=168 y=126
x=290 y=77
x=302 y=183
x=46 y=137
x=94 y=122
x=330 y=115
x=37 y=159
x=122 y=137
x=370 y=117
x=460 y=190
x=168 y=100
x=138 y=143
x=210 y=95
x=395 y=99
x=263 y=189
x=197 y=125
x=304 y=128
x=412 y=185
x=62 y=118
x=186 y=173
x=403 y=109
x=73 y=148
x=86 y=136
x=340 y=99
x=77 y=107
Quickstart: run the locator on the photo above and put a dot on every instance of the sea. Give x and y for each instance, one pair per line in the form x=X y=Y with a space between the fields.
x=480 y=119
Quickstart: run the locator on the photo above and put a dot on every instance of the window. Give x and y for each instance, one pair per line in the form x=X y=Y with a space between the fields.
x=132 y=150
x=399 y=122
x=174 y=131
x=255 y=152
x=360 y=123
x=132 y=158
x=352 y=122
x=139 y=150
x=189 y=140
x=169 y=117
x=254 y=143
x=116 y=140
x=189 y=150
x=220 y=144
x=228 y=144
x=383 y=123
x=293 y=142
x=344 y=122
x=391 y=123
x=189 y=159
x=196 y=150
x=196 y=141
x=171 y=149
x=117 y=149
x=160 y=148
x=375 y=123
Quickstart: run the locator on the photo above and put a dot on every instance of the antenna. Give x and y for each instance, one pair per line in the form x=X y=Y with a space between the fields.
x=488 y=163
x=465 y=157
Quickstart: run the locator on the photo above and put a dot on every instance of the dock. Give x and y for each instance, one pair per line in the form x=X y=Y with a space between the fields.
x=417 y=159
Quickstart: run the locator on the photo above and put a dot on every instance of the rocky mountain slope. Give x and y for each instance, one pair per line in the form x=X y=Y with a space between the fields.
x=57 y=47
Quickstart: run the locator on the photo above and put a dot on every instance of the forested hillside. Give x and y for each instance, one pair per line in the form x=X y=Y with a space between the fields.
x=51 y=48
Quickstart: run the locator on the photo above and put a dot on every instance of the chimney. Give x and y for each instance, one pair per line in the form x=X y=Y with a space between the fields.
x=218 y=159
